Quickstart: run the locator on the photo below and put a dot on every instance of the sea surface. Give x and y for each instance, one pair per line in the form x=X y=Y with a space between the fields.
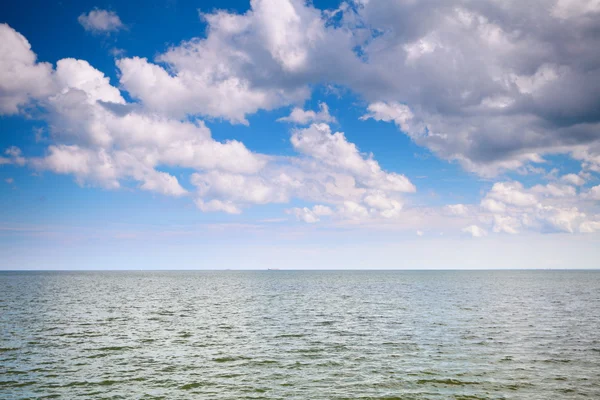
x=300 y=335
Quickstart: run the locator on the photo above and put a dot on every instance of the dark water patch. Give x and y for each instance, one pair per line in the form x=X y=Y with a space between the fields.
x=77 y=383
x=113 y=348
x=325 y=323
x=229 y=376
x=194 y=385
x=263 y=362
x=567 y=390
x=229 y=359
x=37 y=370
x=290 y=335
x=516 y=386
x=15 y=372
x=100 y=355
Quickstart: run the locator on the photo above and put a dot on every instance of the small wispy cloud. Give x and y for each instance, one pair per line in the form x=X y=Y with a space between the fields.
x=101 y=21
x=302 y=117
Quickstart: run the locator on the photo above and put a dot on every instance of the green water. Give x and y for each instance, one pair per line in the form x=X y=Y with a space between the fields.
x=300 y=335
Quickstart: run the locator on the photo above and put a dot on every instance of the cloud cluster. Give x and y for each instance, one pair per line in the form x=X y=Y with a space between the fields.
x=495 y=86
x=554 y=207
x=329 y=170
x=103 y=140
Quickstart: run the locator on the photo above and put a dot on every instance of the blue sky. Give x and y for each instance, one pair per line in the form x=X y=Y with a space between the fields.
x=291 y=134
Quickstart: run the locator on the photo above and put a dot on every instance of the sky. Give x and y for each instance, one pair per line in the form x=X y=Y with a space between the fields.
x=371 y=134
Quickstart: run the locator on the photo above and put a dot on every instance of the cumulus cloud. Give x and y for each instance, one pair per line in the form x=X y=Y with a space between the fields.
x=573 y=179
x=98 y=137
x=494 y=86
x=459 y=78
x=22 y=78
x=335 y=151
x=593 y=193
x=513 y=208
x=329 y=170
x=100 y=21
x=263 y=59
x=102 y=140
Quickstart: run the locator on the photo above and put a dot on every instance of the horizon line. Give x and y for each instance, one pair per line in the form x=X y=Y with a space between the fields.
x=297 y=269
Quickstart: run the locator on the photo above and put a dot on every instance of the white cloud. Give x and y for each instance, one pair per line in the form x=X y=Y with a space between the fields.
x=554 y=190
x=100 y=21
x=79 y=74
x=238 y=188
x=496 y=106
x=310 y=216
x=218 y=205
x=301 y=117
x=590 y=227
x=335 y=151
x=506 y=224
x=511 y=193
x=565 y=9
x=102 y=140
x=331 y=170
x=395 y=112
x=211 y=93
x=514 y=208
x=267 y=58
x=573 y=179
x=13 y=156
x=475 y=231
x=499 y=105
x=22 y=78
x=593 y=193
x=456 y=209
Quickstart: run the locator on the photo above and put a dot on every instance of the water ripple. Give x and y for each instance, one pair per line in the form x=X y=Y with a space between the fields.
x=300 y=335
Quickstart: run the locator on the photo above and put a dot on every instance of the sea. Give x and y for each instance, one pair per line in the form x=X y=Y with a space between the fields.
x=278 y=334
